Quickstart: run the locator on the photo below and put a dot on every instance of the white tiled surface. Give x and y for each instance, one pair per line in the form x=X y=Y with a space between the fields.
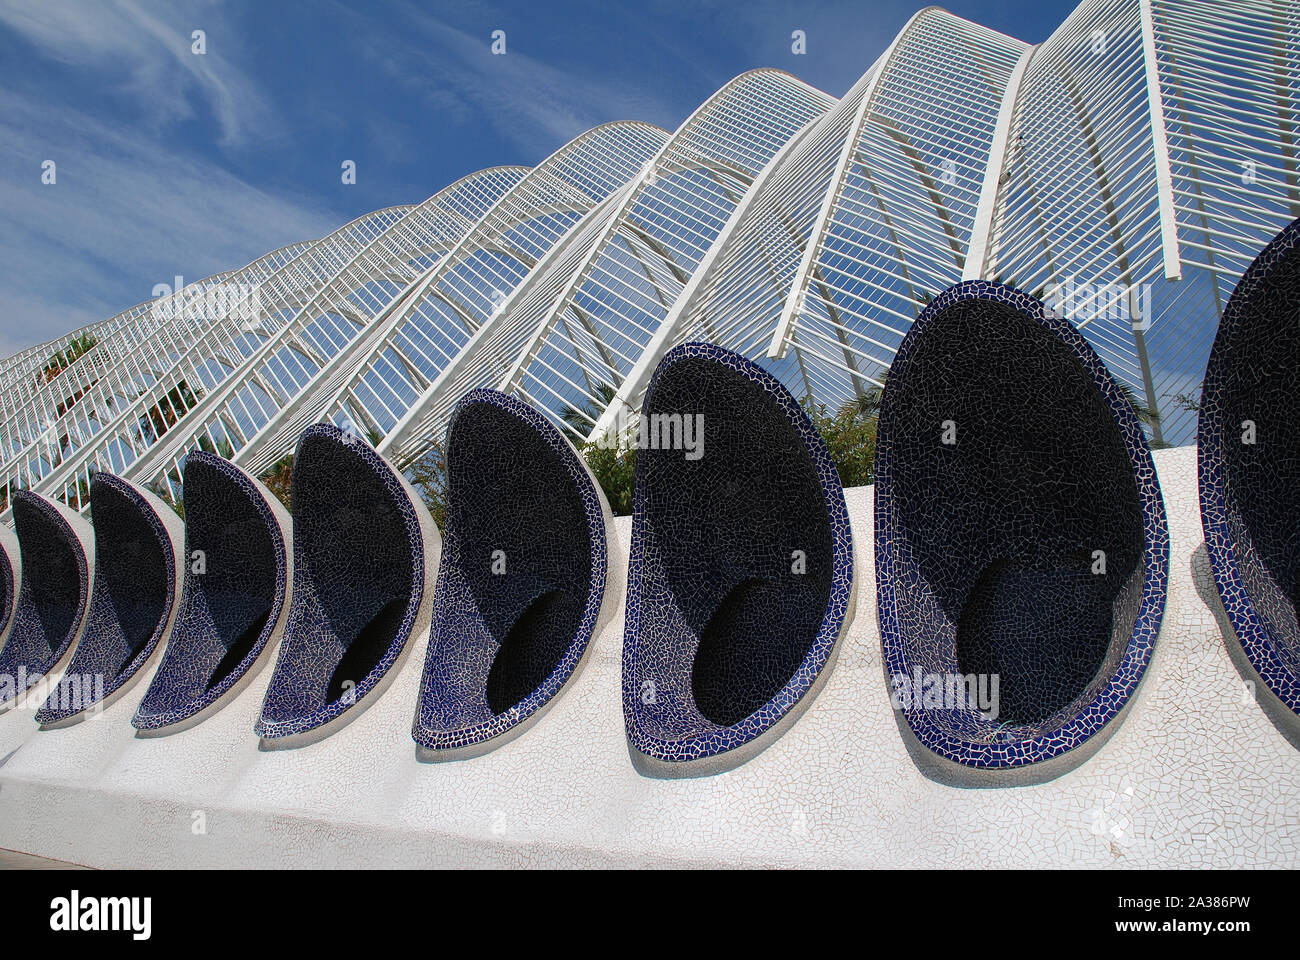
x=1196 y=776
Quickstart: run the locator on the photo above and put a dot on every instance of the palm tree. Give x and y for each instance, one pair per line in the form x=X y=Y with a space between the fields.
x=582 y=418
x=428 y=474
x=279 y=480
x=222 y=448
x=1140 y=407
x=867 y=403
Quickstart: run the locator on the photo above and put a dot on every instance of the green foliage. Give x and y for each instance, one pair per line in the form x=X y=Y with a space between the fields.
x=615 y=471
x=176 y=503
x=76 y=497
x=850 y=435
x=584 y=416
x=1144 y=412
x=60 y=360
x=279 y=480
x=162 y=416
x=428 y=474
x=222 y=449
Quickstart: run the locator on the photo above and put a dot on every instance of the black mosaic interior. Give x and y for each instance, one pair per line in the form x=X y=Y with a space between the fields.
x=130 y=603
x=1003 y=524
x=8 y=566
x=131 y=566
x=736 y=621
x=521 y=582
x=353 y=581
x=508 y=492
x=225 y=609
x=1261 y=383
x=55 y=589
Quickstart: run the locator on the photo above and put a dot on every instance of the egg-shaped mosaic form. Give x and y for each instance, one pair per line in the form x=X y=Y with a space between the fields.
x=522 y=583
x=57 y=551
x=1022 y=550
x=11 y=578
x=364 y=553
x=740 y=580
x=1249 y=470
x=138 y=539
x=234 y=595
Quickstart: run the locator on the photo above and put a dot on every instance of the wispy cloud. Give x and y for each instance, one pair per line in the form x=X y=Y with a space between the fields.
x=139 y=50
x=535 y=106
x=123 y=215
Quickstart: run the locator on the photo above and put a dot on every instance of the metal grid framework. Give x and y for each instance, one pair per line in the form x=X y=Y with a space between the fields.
x=576 y=326
x=856 y=223
x=376 y=382
x=1127 y=170
x=15 y=387
x=52 y=418
x=60 y=463
x=30 y=403
x=350 y=292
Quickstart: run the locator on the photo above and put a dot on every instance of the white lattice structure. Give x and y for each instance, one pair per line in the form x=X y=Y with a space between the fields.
x=378 y=378
x=1147 y=148
x=578 y=324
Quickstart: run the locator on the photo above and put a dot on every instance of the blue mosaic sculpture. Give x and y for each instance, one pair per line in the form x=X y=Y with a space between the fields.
x=50 y=613
x=740 y=579
x=1249 y=471
x=11 y=577
x=522 y=580
x=364 y=552
x=234 y=595
x=1020 y=534
x=132 y=604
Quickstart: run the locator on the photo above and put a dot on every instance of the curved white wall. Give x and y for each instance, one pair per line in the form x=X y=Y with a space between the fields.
x=1196 y=776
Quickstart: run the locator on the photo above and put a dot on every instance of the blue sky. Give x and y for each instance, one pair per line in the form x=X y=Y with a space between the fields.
x=170 y=163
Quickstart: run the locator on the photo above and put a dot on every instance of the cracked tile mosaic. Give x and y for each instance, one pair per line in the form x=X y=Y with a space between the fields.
x=740 y=577
x=131 y=601
x=1020 y=532
x=235 y=577
x=57 y=563
x=1249 y=464
x=10 y=579
x=522 y=575
x=359 y=559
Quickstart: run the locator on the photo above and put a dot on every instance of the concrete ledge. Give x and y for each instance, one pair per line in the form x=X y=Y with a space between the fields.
x=1196 y=776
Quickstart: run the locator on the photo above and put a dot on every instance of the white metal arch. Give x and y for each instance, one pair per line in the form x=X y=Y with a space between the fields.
x=1147 y=145
x=96 y=390
x=32 y=403
x=371 y=382
x=566 y=349
x=867 y=213
x=368 y=280
x=239 y=330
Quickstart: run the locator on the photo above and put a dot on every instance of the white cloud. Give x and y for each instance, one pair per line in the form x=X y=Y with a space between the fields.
x=122 y=216
x=143 y=52
x=536 y=106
